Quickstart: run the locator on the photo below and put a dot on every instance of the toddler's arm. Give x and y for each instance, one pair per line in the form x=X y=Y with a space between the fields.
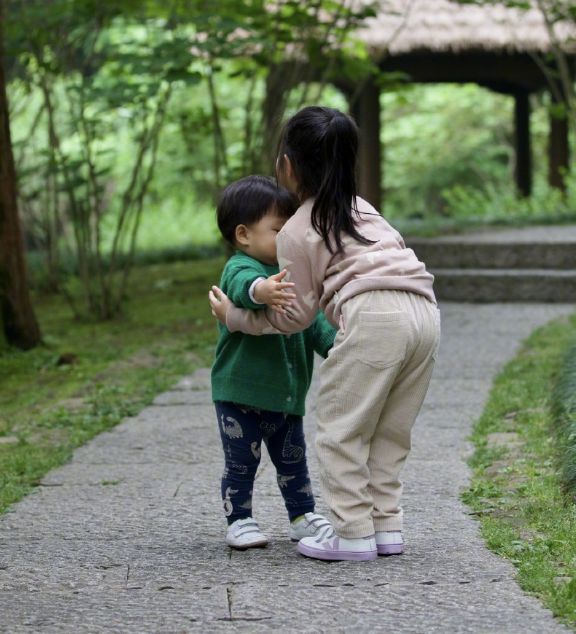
x=323 y=334
x=240 y=281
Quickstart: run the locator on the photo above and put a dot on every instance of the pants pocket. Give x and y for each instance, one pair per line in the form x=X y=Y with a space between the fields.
x=382 y=338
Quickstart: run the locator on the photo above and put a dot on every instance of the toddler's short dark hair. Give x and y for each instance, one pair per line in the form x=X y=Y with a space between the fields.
x=248 y=200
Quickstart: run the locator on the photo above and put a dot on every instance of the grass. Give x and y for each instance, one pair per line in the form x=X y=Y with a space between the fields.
x=564 y=412
x=516 y=487
x=88 y=376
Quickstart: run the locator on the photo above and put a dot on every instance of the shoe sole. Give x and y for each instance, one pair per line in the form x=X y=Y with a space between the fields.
x=390 y=549
x=340 y=555
x=260 y=544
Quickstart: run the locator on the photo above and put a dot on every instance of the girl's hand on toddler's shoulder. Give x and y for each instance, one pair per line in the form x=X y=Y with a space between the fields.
x=274 y=292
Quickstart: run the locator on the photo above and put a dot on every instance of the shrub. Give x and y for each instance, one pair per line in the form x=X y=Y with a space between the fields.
x=564 y=416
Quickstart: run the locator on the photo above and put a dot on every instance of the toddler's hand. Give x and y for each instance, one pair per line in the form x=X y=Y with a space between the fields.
x=273 y=292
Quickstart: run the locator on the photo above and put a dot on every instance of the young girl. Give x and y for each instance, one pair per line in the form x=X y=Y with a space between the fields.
x=345 y=258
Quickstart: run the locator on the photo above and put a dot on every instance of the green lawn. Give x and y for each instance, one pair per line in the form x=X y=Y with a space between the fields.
x=88 y=376
x=516 y=488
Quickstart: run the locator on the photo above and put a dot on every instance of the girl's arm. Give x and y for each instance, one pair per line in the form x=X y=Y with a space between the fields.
x=272 y=292
x=298 y=316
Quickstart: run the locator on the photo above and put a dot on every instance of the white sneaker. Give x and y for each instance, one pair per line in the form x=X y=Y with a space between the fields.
x=389 y=542
x=339 y=548
x=310 y=525
x=243 y=534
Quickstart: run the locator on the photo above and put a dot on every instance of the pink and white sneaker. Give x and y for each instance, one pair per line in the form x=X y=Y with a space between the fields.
x=389 y=542
x=339 y=548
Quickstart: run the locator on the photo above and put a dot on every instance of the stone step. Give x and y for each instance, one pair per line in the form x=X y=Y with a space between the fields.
x=505 y=285
x=446 y=253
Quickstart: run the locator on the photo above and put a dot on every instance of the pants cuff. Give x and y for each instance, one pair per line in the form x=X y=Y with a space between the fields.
x=293 y=514
x=388 y=524
x=355 y=531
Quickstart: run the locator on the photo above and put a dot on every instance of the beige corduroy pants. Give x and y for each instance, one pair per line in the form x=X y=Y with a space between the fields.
x=372 y=386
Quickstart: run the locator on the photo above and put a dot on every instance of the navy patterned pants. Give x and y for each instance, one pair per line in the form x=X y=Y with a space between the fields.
x=242 y=430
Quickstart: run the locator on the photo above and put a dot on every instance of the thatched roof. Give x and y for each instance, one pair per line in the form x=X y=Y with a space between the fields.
x=406 y=26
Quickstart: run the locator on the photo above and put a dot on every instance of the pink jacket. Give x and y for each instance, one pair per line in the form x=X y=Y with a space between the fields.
x=325 y=280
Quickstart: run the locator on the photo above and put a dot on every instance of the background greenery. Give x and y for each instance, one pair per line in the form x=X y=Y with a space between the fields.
x=129 y=117
x=447 y=156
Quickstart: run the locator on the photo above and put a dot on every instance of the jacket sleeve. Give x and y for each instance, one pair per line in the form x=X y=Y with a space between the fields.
x=303 y=309
x=323 y=334
x=238 y=283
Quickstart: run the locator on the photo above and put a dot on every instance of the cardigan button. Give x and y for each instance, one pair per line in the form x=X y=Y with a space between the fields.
x=289 y=366
x=289 y=399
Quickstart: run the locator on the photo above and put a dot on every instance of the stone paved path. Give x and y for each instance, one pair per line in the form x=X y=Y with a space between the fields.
x=128 y=536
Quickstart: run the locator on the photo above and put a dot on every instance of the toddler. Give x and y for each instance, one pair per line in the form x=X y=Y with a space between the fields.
x=259 y=383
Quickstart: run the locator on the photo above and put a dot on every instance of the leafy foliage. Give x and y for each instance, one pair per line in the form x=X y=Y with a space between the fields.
x=435 y=137
x=89 y=70
x=104 y=73
x=554 y=63
x=494 y=202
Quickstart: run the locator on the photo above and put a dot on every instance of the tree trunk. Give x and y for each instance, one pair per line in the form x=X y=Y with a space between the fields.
x=18 y=319
x=279 y=82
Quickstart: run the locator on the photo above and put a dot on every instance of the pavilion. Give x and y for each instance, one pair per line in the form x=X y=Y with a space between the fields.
x=436 y=41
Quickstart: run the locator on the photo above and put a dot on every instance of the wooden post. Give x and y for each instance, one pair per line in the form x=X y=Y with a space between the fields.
x=366 y=109
x=522 y=143
x=558 y=146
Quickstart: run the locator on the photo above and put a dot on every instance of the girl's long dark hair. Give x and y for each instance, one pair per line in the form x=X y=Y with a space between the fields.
x=322 y=145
